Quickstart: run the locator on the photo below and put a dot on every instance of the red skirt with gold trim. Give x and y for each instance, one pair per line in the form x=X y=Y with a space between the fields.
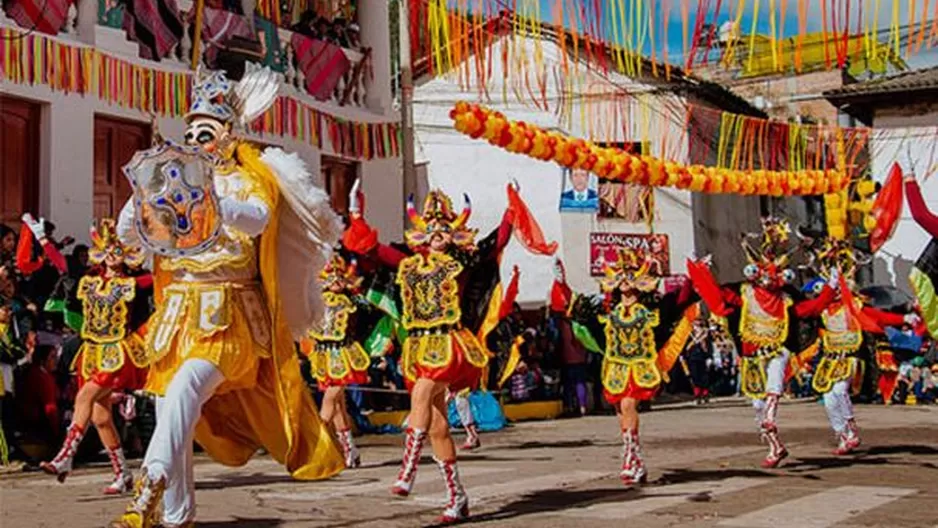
x=455 y=357
x=119 y=366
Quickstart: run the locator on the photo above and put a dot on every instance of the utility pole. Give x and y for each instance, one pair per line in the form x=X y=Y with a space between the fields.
x=197 y=33
x=407 y=104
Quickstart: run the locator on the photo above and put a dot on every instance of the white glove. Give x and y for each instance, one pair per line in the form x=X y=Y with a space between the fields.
x=834 y=280
x=36 y=226
x=912 y=319
x=354 y=203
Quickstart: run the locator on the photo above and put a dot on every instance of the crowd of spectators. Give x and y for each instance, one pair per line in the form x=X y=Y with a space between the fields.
x=38 y=342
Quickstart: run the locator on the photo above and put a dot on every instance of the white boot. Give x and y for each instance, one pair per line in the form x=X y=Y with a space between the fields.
x=123 y=480
x=472 y=438
x=457 y=502
x=61 y=465
x=849 y=439
x=633 y=466
x=352 y=457
x=413 y=445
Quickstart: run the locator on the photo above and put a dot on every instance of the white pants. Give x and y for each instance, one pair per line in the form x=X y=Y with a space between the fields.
x=464 y=410
x=838 y=405
x=169 y=454
x=774 y=382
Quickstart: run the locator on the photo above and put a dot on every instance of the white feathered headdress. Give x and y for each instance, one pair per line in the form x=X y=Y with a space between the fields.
x=215 y=96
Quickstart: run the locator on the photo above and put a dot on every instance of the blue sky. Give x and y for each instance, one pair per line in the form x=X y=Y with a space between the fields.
x=883 y=17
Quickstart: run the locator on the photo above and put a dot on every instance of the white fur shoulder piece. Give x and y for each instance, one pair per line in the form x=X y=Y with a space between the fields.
x=308 y=230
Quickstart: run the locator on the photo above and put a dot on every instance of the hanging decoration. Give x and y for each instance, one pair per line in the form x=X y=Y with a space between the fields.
x=618 y=165
x=622 y=34
x=35 y=59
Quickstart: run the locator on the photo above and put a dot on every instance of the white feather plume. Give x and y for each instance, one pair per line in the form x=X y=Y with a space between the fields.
x=255 y=92
x=308 y=231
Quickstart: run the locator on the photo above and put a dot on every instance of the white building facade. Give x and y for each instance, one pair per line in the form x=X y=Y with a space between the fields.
x=71 y=179
x=606 y=107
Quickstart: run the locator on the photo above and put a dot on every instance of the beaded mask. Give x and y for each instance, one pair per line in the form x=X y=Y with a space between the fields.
x=338 y=272
x=438 y=217
x=628 y=271
x=768 y=254
x=105 y=243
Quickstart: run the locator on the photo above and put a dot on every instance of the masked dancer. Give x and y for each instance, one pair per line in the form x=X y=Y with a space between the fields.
x=766 y=311
x=223 y=359
x=112 y=357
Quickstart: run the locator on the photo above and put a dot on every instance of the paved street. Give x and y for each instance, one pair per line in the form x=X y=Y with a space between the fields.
x=704 y=468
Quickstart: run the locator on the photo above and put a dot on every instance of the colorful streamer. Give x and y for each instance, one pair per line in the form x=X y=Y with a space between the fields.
x=35 y=59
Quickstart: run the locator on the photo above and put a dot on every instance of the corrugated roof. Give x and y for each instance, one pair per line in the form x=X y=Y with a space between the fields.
x=912 y=81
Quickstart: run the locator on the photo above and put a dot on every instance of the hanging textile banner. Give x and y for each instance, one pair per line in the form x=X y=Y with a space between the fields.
x=33 y=59
x=619 y=165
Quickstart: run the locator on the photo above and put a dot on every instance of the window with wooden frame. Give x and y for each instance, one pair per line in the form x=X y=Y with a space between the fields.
x=626 y=201
x=338 y=176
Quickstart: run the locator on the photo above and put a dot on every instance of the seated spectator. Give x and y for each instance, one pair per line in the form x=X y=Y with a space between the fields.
x=519 y=383
x=12 y=351
x=38 y=397
x=8 y=242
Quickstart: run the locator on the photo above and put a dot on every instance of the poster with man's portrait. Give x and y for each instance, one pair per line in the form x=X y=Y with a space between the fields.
x=580 y=191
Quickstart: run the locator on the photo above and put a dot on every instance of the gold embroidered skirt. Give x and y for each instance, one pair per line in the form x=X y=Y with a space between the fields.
x=118 y=366
x=833 y=368
x=454 y=357
x=638 y=379
x=226 y=324
x=754 y=374
x=336 y=364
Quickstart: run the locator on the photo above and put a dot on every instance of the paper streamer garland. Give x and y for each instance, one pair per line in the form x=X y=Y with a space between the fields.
x=35 y=59
x=618 y=165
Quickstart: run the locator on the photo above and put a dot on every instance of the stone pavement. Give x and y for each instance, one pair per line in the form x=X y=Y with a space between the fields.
x=703 y=462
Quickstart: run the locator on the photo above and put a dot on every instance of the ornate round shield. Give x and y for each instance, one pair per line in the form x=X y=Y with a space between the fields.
x=176 y=210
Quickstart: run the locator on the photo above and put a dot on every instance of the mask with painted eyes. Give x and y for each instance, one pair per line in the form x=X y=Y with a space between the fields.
x=208 y=133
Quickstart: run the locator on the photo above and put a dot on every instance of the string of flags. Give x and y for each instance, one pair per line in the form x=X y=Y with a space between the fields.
x=36 y=59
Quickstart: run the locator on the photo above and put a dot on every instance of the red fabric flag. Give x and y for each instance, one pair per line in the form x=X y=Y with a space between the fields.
x=511 y=293
x=707 y=287
x=867 y=323
x=886 y=208
x=525 y=226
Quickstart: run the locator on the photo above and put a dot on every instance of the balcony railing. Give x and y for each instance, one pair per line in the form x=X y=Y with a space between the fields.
x=100 y=22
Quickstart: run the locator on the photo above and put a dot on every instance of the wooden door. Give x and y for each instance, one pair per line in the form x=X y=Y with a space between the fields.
x=115 y=142
x=19 y=150
x=338 y=176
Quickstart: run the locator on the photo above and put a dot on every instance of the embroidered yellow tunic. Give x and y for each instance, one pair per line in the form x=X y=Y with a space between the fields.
x=335 y=355
x=631 y=353
x=216 y=306
x=215 y=309
x=106 y=343
x=841 y=337
x=765 y=331
x=431 y=315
